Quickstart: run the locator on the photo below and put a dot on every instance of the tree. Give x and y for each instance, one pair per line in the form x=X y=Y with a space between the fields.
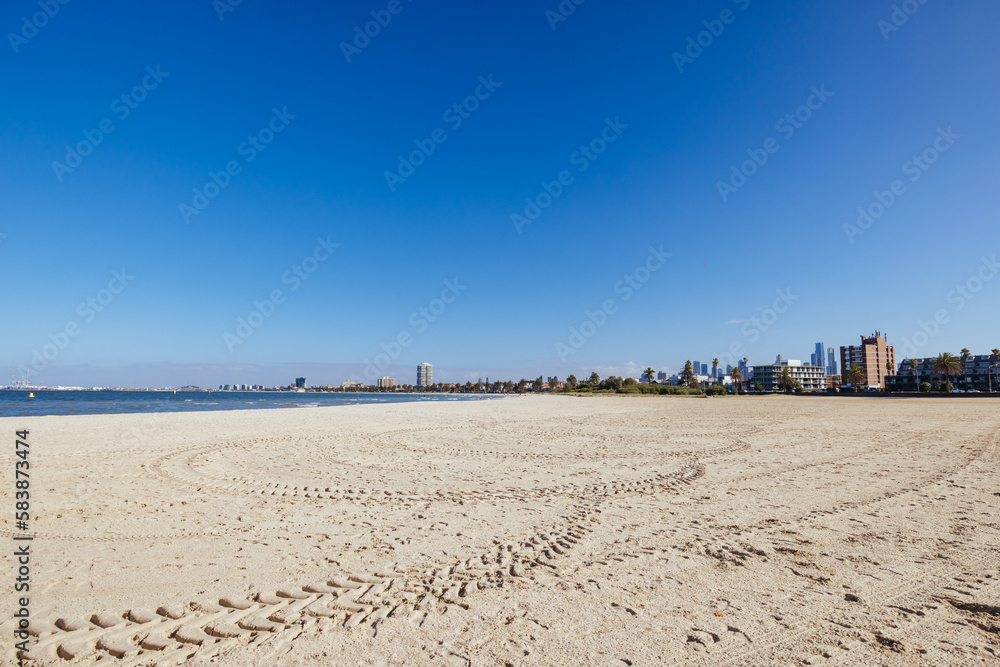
x=916 y=375
x=536 y=386
x=785 y=380
x=737 y=375
x=715 y=367
x=947 y=365
x=965 y=358
x=687 y=375
x=649 y=374
x=571 y=381
x=855 y=376
x=613 y=382
x=757 y=386
x=522 y=386
x=746 y=365
x=595 y=379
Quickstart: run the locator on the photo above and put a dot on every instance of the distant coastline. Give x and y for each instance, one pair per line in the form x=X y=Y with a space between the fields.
x=36 y=402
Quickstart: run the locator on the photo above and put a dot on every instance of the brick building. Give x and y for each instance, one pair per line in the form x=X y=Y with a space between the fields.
x=873 y=356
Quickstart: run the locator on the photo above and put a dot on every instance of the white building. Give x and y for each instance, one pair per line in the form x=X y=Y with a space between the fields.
x=425 y=375
x=812 y=378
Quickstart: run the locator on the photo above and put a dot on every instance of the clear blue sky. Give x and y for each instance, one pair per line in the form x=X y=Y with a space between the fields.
x=323 y=175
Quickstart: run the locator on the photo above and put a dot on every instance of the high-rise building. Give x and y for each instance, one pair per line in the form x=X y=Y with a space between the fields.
x=300 y=383
x=661 y=376
x=696 y=367
x=831 y=360
x=873 y=357
x=425 y=375
x=704 y=369
x=386 y=383
x=819 y=357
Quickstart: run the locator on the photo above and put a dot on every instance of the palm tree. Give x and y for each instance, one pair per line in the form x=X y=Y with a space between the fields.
x=916 y=375
x=737 y=375
x=536 y=386
x=947 y=365
x=746 y=365
x=649 y=374
x=965 y=358
x=688 y=373
x=571 y=381
x=855 y=376
x=786 y=381
x=715 y=367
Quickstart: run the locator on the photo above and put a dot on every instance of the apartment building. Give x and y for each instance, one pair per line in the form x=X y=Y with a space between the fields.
x=812 y=378
x=425 y=375
x=873 y=356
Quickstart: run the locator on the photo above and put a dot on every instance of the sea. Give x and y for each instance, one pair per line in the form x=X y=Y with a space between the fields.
x=38 y=403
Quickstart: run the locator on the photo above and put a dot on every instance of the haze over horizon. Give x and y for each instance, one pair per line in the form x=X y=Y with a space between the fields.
x=257 y=192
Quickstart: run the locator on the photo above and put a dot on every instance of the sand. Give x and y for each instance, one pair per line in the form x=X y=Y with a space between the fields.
x=520 y=531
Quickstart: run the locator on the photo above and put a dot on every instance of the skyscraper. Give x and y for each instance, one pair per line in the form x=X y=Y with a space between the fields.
x=820 y=356
x=425 y=375
x=831 y=368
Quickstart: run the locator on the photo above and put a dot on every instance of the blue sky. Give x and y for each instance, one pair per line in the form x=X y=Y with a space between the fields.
x=886 y=96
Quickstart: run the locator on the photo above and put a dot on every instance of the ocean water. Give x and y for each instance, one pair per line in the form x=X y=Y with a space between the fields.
x=21 y=404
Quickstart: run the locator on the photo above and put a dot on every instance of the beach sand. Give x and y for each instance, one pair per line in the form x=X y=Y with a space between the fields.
x=520 y=531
